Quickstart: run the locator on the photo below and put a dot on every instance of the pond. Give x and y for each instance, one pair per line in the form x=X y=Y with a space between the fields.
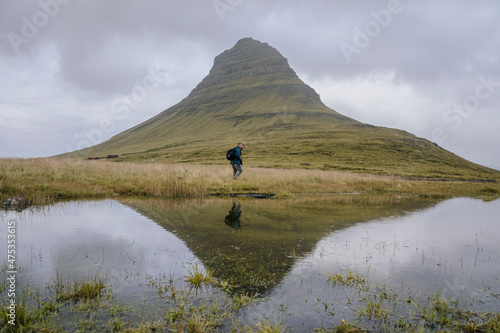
x=304 y=263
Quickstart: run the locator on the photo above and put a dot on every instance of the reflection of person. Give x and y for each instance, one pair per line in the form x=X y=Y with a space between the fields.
x=237 y=162
x=233 y=218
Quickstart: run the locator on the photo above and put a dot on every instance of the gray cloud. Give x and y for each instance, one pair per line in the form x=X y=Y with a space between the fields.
x=65 y=62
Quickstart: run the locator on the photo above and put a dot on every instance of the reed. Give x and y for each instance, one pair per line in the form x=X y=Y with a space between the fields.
x=41 y=180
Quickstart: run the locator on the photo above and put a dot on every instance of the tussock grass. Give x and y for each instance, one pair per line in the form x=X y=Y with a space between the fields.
x=43 y=179
x=197 y=277
x=269 y=326
x=78 y=290
x=38 y=310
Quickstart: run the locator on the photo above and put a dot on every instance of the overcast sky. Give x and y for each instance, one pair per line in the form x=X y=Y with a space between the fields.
x=75 y=73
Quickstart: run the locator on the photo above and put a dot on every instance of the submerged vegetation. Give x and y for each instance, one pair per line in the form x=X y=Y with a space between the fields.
x=89 y=305
x=349 y=279
x=213 y=310
x=45 y=179
x=409 y=312
x=77 y=290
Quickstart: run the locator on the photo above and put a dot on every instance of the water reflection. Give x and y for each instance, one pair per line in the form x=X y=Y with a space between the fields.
x=285 y=252
x=276 y=232
x=78 y=240
x=232 y=219
x=450 y=249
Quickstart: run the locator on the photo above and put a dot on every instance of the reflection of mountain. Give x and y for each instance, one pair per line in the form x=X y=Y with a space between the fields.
x=274 y=234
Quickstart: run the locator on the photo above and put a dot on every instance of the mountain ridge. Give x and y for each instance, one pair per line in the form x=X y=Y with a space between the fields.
x=252 y=95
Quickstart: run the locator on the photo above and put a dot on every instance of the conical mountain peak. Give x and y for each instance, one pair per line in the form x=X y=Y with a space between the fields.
x=252 y=95
x=251 y=63
x=251 y=57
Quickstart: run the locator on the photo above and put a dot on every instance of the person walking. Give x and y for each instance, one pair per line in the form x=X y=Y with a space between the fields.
x=237 y=162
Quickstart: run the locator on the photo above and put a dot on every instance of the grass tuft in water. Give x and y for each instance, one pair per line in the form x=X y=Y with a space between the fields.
x=269 y=326
x=77 y=290
x=198 y=277
x=343 y=327
x=392 y=313
x=29 y=318
x=348 y=279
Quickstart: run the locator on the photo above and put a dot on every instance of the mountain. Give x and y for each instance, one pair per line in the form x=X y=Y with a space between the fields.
x=252 y=95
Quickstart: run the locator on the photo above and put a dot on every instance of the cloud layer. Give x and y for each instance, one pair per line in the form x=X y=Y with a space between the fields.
x=428 y=67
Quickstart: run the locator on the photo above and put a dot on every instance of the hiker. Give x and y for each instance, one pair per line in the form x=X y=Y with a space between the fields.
x=237 y=162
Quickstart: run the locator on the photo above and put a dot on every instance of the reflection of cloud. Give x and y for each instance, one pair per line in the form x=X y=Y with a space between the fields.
x=425 y=248
x=78 y=239
x=426 y=251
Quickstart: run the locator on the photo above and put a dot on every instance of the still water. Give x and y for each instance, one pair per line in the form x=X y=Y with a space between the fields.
x=281 y=250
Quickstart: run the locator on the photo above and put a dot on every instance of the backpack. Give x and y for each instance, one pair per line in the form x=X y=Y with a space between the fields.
x=230 y=155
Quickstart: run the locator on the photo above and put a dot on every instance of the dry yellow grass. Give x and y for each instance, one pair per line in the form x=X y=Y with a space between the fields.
x=39 y=180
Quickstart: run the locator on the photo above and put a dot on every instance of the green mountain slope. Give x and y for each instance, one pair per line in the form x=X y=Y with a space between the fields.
x=252 y=95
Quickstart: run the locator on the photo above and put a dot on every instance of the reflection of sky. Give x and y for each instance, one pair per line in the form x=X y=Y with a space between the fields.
x=452 y=247
x=440 y=241
x=82 y=239
x=429 y=250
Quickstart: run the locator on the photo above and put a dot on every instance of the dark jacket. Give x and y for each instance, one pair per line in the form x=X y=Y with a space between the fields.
x=237 y=157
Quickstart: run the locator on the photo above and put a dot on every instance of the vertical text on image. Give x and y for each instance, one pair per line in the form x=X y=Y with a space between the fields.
x=11 y=272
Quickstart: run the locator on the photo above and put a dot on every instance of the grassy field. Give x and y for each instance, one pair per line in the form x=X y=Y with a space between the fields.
x=44 y=179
